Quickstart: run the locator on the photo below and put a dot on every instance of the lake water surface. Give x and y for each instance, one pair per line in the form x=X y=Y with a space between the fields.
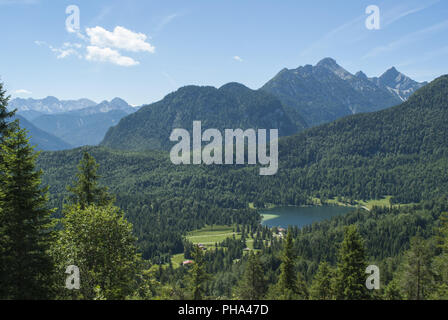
x=300 y=216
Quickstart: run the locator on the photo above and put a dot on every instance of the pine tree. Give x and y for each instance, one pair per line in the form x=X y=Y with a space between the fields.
x=86 y=190
x=441 y=261
x=351 y=276
x=27 y=268
x=289 y=286
x=198 y=275
x=392 y=291
x=4 y=113
x=322 y=287
x=253 y=283
x=4 y=129
x=288 y=276
x=416 y=273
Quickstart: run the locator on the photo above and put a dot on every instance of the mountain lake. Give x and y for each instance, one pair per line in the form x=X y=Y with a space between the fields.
x=300 y=216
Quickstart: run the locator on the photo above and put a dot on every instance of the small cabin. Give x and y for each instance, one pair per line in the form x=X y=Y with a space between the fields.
x=187 y=262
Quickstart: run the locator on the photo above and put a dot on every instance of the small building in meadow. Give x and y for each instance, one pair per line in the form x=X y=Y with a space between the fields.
x=187 y=262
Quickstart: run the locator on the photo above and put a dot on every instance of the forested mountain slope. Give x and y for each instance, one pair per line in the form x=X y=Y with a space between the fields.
x=232 y=106
x=401 y=151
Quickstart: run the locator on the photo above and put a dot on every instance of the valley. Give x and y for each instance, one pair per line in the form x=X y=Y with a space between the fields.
x=360 y=169
x=230 y=152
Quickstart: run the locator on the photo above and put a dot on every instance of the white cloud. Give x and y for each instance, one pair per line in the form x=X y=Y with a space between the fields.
x=67 y=50
x=237 y=58
x=120 y=38
x=95 y=53
x=22 y=92
x=72 y=45
x=103 y=46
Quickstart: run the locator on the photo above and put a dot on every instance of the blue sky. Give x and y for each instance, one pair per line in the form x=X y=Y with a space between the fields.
x=141 y=50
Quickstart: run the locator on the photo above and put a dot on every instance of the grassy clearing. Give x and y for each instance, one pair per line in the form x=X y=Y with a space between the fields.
x=177 y=259
x=385 y=202
x=210 y=235
x=369 y=204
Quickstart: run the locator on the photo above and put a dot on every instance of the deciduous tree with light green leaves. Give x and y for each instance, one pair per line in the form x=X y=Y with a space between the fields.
x=96 y=237
x=99 y=241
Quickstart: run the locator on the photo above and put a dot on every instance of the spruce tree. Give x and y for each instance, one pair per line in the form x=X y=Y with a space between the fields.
x=253 y=283
x=441 y=261
x=198 y=275
x=288 y=276
x=351 y=276
x=4 y=128
x=289 y=286
x=392 y=291
x=322 y=287
x=26 y=266
x=86 y=190
x=5 y=115
x=416 y=273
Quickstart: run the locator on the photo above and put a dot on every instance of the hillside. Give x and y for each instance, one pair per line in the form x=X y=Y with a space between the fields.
x=326 y=92
x=232 y=106
x=401 y=152
x=41 y=139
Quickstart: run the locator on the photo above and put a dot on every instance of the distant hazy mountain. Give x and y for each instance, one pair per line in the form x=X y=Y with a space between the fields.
x=80 y=130
x=232 y=106
x=78 y=122
x=42 y=140
x=31 y=108
x=398 y=83
x=327 y=92
x=105 y=107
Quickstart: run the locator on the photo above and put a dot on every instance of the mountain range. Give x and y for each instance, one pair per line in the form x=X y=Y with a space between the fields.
x=326 y=91
x=32 y=108
x=292 y=101
x=75 y=122
x=401 y=152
